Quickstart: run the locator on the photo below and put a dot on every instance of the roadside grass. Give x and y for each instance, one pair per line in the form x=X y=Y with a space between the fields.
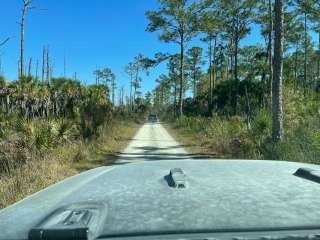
x=105 y=149
x=65 y=160
x=192 y=142
x=231 y=137
x=34 y=176
x=215 y=138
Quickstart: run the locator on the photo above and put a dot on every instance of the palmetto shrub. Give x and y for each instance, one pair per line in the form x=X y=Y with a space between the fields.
x=67 y=131
x=93 y=116
x=14 y=152
x=44 y=136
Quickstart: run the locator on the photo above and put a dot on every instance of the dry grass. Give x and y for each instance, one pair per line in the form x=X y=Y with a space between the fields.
x=104 y=151
x=64 y=161
x=35 y=175
x=195 y=144
x=223 y=137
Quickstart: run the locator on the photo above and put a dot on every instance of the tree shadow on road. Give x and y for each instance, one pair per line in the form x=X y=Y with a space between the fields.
x=132 y=157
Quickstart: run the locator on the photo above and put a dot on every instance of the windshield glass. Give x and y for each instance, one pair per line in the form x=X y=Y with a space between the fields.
x=161 y=117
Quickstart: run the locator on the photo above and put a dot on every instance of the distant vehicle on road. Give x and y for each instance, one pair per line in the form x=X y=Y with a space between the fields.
x=153 y=117
x=182 y=199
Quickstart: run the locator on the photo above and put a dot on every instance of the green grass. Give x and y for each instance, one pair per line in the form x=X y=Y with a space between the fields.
x=231 y=137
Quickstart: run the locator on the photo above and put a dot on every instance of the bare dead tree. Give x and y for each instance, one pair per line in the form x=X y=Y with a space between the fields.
x=47 y=65
x=19 y=72
x=113 y=85
x=51 y=71
x=64 y=66
x=25 y=70
x=43 y=62
x=29 y=67
x=121 y=96
x=37 y=69
x=27 y=6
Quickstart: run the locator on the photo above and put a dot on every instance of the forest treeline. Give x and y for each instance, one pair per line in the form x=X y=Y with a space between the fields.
x=262 y=98
x=36 y=115
x=52 y=130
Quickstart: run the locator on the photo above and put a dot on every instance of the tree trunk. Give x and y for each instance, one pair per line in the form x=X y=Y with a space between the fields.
x=29 y=67
x=122 y=97
x=270 y=58
x=37 y=69
x=277 y=112
x=181 y=74
x=113 y=89
x=236 y=46
x=43 y=62
x=19 y=72
x=47 y=66
x=296 y=69
x=318 y=67
x=175 y=97
x=51 y=73
x=214 y=66
x=162 y=96
x=210 y=78
x=135 y=87
x=194 y=81
x=231 y=72
x=248 y=109
x=236 y=78
x=305 y=53
x=131 y=85
x=22 y=42
x=64 y=67
x=134 y=96
x=227 y=68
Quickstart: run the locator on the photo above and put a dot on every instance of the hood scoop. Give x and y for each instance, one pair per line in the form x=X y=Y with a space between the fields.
x=309 y=174
x=176 y=178
x=81 y=221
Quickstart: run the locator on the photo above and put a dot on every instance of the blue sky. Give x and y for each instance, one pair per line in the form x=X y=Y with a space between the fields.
x=102 y=33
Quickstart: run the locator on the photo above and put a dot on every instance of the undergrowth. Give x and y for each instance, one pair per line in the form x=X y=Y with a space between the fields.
x=233 y=137
x=40 y=153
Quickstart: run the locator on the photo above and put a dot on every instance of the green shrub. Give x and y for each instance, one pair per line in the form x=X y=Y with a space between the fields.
x=14 y=152
x=92 y=116
x=261 y=124
x=44 y=137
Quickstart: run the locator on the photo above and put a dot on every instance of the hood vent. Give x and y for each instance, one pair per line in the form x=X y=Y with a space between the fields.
x=308 y=173
x=81 y=221
x=176 y=178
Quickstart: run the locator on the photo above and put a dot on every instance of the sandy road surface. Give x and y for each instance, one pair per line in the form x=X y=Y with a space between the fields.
x=152 y=142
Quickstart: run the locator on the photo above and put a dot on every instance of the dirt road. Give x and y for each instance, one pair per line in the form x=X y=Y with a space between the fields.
x=152 y=142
